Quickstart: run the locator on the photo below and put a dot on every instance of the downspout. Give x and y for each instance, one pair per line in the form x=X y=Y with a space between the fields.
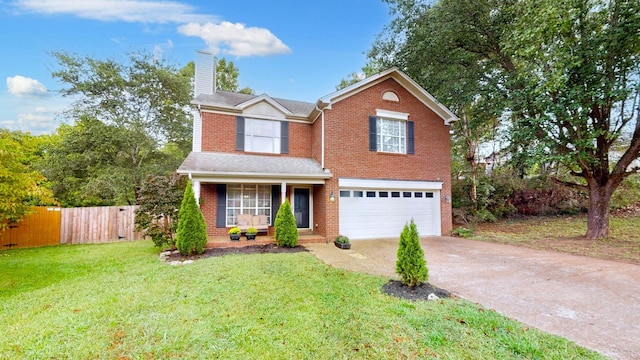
x=321 y=136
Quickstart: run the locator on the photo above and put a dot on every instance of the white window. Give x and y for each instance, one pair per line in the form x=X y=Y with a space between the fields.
x=262 y=136
x=248 y=199
x=391 y=136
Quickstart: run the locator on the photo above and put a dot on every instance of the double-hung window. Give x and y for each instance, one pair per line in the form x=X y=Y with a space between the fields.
x=391 y=136
x=262 y=136
x=391 y=132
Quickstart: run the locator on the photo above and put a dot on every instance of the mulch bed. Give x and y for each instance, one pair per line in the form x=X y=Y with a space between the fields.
x=420 y=292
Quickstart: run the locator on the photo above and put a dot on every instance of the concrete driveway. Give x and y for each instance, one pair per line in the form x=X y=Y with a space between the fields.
x=595 y=303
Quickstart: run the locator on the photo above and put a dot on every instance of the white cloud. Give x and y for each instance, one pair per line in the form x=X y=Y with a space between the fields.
x=43 y=122
x=143 y=11
x=236 y=39
x=24 y=86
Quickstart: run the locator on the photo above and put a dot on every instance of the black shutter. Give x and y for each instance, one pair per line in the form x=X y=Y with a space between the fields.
x=410 y=137
x=221 y=206
x=275 y=202
x=372 y=133
x=240 y=133
x=284 y=137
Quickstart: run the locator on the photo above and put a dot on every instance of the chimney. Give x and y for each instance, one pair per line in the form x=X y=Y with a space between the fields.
x=205 y=77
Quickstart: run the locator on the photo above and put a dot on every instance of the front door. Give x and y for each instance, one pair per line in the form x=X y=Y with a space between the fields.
x=301 y=207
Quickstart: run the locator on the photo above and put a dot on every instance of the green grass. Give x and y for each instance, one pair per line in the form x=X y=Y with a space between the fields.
x=118 y=301
x=566 y=234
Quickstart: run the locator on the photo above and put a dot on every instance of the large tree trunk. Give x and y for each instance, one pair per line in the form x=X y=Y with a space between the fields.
x=598 y=218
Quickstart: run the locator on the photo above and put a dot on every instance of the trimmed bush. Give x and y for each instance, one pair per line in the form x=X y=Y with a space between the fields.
x=286 y=233
x=411 y=264
x=159 y=198
x=192 y=230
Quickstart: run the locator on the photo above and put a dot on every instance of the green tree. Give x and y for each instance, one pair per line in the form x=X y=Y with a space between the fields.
x=160 y=200
x=452 y=49
x=576 y=93
x=411 y=265
x=191 y=237
x=140 y=93
x=566 y=73
x=21 y=187
x=286 y=233
x=92 y=163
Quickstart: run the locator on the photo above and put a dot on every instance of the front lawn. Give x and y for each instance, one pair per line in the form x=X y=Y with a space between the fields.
x=118 y=301
x=566 y=234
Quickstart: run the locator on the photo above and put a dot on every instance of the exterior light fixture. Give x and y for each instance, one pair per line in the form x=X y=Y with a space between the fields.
x=332 y=197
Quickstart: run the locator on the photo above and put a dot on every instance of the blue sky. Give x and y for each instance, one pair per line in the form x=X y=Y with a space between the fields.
x=291 y=49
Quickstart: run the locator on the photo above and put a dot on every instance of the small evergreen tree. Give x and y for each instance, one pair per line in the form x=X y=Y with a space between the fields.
x=411 y=264
x=286 y=232
x=191 y=237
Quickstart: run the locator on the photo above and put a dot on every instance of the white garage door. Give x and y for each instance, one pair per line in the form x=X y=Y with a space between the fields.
x=367 y=213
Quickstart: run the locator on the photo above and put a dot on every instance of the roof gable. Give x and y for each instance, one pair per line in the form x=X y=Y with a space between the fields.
x=255 y=104
x=401 y=78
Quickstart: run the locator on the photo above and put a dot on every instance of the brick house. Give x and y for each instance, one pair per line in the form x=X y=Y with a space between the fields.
x=361 y=161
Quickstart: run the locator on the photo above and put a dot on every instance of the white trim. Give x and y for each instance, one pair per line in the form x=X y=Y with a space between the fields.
x=244 y=180
x=389 y=184
x=226 y=111
x=405 y=81
x=392 y=114
x=197 y=130
x=266 y=98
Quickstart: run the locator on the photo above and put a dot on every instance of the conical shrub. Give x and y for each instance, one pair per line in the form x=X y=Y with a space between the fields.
x=286 y=233
x=411 y=265
x=191 y=237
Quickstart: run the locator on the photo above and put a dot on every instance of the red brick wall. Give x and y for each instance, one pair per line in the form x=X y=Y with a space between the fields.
x=219 y=135
x=218 y=132
x=347 y=146
x=208 y=201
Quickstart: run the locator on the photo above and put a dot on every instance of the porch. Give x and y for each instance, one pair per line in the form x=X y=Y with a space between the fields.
x=305 y=237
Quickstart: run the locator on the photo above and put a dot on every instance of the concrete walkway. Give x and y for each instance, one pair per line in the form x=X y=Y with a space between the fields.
x=595 y=303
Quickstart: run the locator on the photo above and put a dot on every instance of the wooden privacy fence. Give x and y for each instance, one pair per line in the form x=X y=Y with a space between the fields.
x=89 y=225
x=40 y=228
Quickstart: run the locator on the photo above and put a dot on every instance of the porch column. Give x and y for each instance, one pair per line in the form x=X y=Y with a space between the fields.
x=196 y=191
x=283 y=192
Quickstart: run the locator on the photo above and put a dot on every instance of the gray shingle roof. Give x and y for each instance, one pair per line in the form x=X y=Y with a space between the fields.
x=230 y=100
x=241 y=165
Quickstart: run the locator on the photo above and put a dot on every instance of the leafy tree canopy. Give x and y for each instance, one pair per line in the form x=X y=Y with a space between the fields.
x=565 y=73
x=21 y=187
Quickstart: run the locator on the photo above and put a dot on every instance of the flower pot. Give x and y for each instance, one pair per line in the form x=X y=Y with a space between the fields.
x=343 y=246
x=251 y=236
x=234 y=237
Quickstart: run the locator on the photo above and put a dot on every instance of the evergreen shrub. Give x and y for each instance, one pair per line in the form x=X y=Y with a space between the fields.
x=286 y=232
x=192 y=230
x=411 y=265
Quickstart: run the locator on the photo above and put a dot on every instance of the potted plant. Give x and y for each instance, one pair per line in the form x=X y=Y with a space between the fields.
x=342 y=242
x=234 y=233
x=251 y=233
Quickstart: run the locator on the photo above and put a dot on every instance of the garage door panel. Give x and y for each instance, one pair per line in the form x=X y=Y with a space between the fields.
x=378 y=217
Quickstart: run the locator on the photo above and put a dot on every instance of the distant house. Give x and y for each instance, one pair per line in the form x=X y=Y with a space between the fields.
x=361 y=162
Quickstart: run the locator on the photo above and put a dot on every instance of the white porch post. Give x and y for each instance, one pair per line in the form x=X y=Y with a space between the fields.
x=283 y=192
x=196 y=191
